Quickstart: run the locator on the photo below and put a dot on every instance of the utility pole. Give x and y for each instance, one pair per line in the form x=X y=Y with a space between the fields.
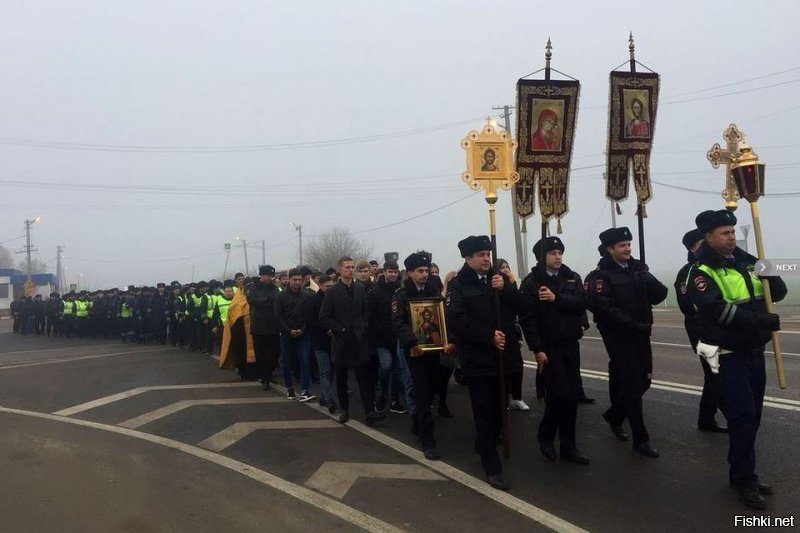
x=246 y=264
x=263 y=251
x=28 y=247
x=522 y=257
x=299 y=228
x=59 y=275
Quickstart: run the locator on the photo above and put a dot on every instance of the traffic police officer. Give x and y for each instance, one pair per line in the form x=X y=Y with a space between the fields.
x=732 y=315
x=620 y=294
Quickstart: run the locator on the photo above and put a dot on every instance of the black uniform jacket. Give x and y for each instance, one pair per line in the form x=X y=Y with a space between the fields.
x=471 y=316
x=292 y=310
x=548 y=323
x=344 y=312
x=379 y=301
x=320 y=339
x=685 y=303
x=730 y=326
x=262 y=299
x=401 y=320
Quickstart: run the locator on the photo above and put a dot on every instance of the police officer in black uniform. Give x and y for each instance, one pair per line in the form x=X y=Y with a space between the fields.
x=710 y=399
x=471 y=316
x=620 y=294
x=732 y=316
x=553 y=321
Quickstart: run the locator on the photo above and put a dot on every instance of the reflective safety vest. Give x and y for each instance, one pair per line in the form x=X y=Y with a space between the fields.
x=222 y=305
x=212 y=301
x=197 y=301
x=732 y=284
x=125 y=311
x=81 y=309
x=69 y=308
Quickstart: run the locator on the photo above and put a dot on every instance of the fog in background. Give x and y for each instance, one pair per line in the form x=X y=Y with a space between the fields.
x=147 y=134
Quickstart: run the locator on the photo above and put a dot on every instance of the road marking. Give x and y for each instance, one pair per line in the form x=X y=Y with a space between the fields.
x=70 y=359
x=69 y=411
x=240 y=430
x=769 y=401
x=62 y=348
x=687 y=347
x=320 y=501
x=337 y=479
x=162 y=412
x=505 y=499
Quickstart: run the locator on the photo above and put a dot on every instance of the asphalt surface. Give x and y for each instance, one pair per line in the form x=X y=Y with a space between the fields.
x=146 y=455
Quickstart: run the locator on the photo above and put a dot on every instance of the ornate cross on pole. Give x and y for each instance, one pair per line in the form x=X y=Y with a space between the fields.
x=734 y=137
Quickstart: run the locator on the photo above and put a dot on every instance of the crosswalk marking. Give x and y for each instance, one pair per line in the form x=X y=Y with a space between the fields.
x=337 y=478
x=171 y=409
x=239 y=430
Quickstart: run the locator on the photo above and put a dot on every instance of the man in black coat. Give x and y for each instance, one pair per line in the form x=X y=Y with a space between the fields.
x=344 y=313
x=471 y=317
x=553 y=321
x=292 y=310
x=159 y=316
x=710 y=399
x=383 y=340
x=621 y=293
x=424 y=365
x=54 y=308
x=321 y=342
x=262 y=295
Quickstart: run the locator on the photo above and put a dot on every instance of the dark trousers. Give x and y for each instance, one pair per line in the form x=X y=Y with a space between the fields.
x=69 y=325
x=743 y=380
x=425 y=375
x=366 y=386
x=562 y=380
x=40 y=324
x=53 y=326
x=711 y=400
x=484 y=394
x=515 y=385
x=268 y=350
x=626 y=385
x=445 y=373
x=17 y=324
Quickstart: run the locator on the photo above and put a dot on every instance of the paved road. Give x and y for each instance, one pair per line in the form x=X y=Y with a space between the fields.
x=98 y=436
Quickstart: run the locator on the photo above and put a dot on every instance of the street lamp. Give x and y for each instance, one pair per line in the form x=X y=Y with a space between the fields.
x=749 y=174
x=29 y=287
x=299 y=228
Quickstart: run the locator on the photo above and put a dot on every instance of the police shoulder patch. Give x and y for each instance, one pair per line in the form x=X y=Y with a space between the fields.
x=586 y=285
x=683 y=288
x=599 y=285
x=395 y=307
x=700 y=283
x=447 y=299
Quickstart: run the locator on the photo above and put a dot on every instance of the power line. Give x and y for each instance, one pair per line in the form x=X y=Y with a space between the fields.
x=14 y=239
x=416 y=216
x=756 y=78
x=699 y=98
x=787 y=194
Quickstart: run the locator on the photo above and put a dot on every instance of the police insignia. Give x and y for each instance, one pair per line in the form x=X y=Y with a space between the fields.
x=586 y=285
x=447 y=300
x=700 y=283
x=683 y=288
x=395 y=307
x=599 y=285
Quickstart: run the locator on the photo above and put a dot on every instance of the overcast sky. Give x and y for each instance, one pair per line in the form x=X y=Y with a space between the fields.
x=81 y=77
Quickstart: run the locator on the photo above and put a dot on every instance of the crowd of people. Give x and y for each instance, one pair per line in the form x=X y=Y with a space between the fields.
x=405 y=332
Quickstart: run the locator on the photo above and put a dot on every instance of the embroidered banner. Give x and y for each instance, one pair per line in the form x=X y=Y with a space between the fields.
x=546 y=115
x=631 y=124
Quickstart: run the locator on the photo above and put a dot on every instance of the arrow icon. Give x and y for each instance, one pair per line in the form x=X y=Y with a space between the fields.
x=337 y=479
x=761 y=266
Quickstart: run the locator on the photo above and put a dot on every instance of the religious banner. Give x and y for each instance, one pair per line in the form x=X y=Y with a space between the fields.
x=631 y=124
x=547 y=110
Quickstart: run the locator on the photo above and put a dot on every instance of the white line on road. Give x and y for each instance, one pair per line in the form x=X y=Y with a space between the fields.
x=320 y=501
x=337 y=478
x=505 y=499
x=769 y=401
x=686 y=346
x=62 y=348
x=69 y=411
x=239 y=430
x=71 y=359
x=162 y=412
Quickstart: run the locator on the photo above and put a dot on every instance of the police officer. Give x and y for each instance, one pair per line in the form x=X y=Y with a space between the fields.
x=732 y=315
x=620 y=294
x=424 y=366
x=710 y=399
x=262 y=296
x=553 y=321
x=472 y=318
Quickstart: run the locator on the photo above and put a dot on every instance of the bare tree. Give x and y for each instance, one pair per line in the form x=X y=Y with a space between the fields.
x=6 y=259
x=326 y=249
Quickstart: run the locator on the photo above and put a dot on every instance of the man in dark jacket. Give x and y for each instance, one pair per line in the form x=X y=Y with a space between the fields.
x=621 y=293
x=553 y=321
x=159 y=315
x=382 y=338
x=424 y=365
x=262 y=297
x=54 y=308
x=710 y=399
x=732 y=317
x=472 y=318
x=321 y=342
x=344 y=314
x=292 y=310
x=38 y=314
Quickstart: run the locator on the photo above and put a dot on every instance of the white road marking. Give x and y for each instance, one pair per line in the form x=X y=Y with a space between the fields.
x=71 y=359
x=69 y=411
x=687 y=347
x=62 y=348
x=337 y=479
x=320 y=501
x=157 y=414
x=505 y=499
x=769 y=401
x=236 y=432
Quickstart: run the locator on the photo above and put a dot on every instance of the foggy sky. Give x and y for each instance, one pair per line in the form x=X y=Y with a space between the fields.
x=201 y=75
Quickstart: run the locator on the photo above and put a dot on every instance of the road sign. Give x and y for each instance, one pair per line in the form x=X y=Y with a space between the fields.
x=227 y=247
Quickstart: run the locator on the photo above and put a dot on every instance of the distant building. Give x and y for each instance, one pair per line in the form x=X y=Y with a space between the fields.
x=11 y=282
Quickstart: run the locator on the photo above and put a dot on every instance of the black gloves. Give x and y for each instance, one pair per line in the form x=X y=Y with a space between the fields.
x=769 y=321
